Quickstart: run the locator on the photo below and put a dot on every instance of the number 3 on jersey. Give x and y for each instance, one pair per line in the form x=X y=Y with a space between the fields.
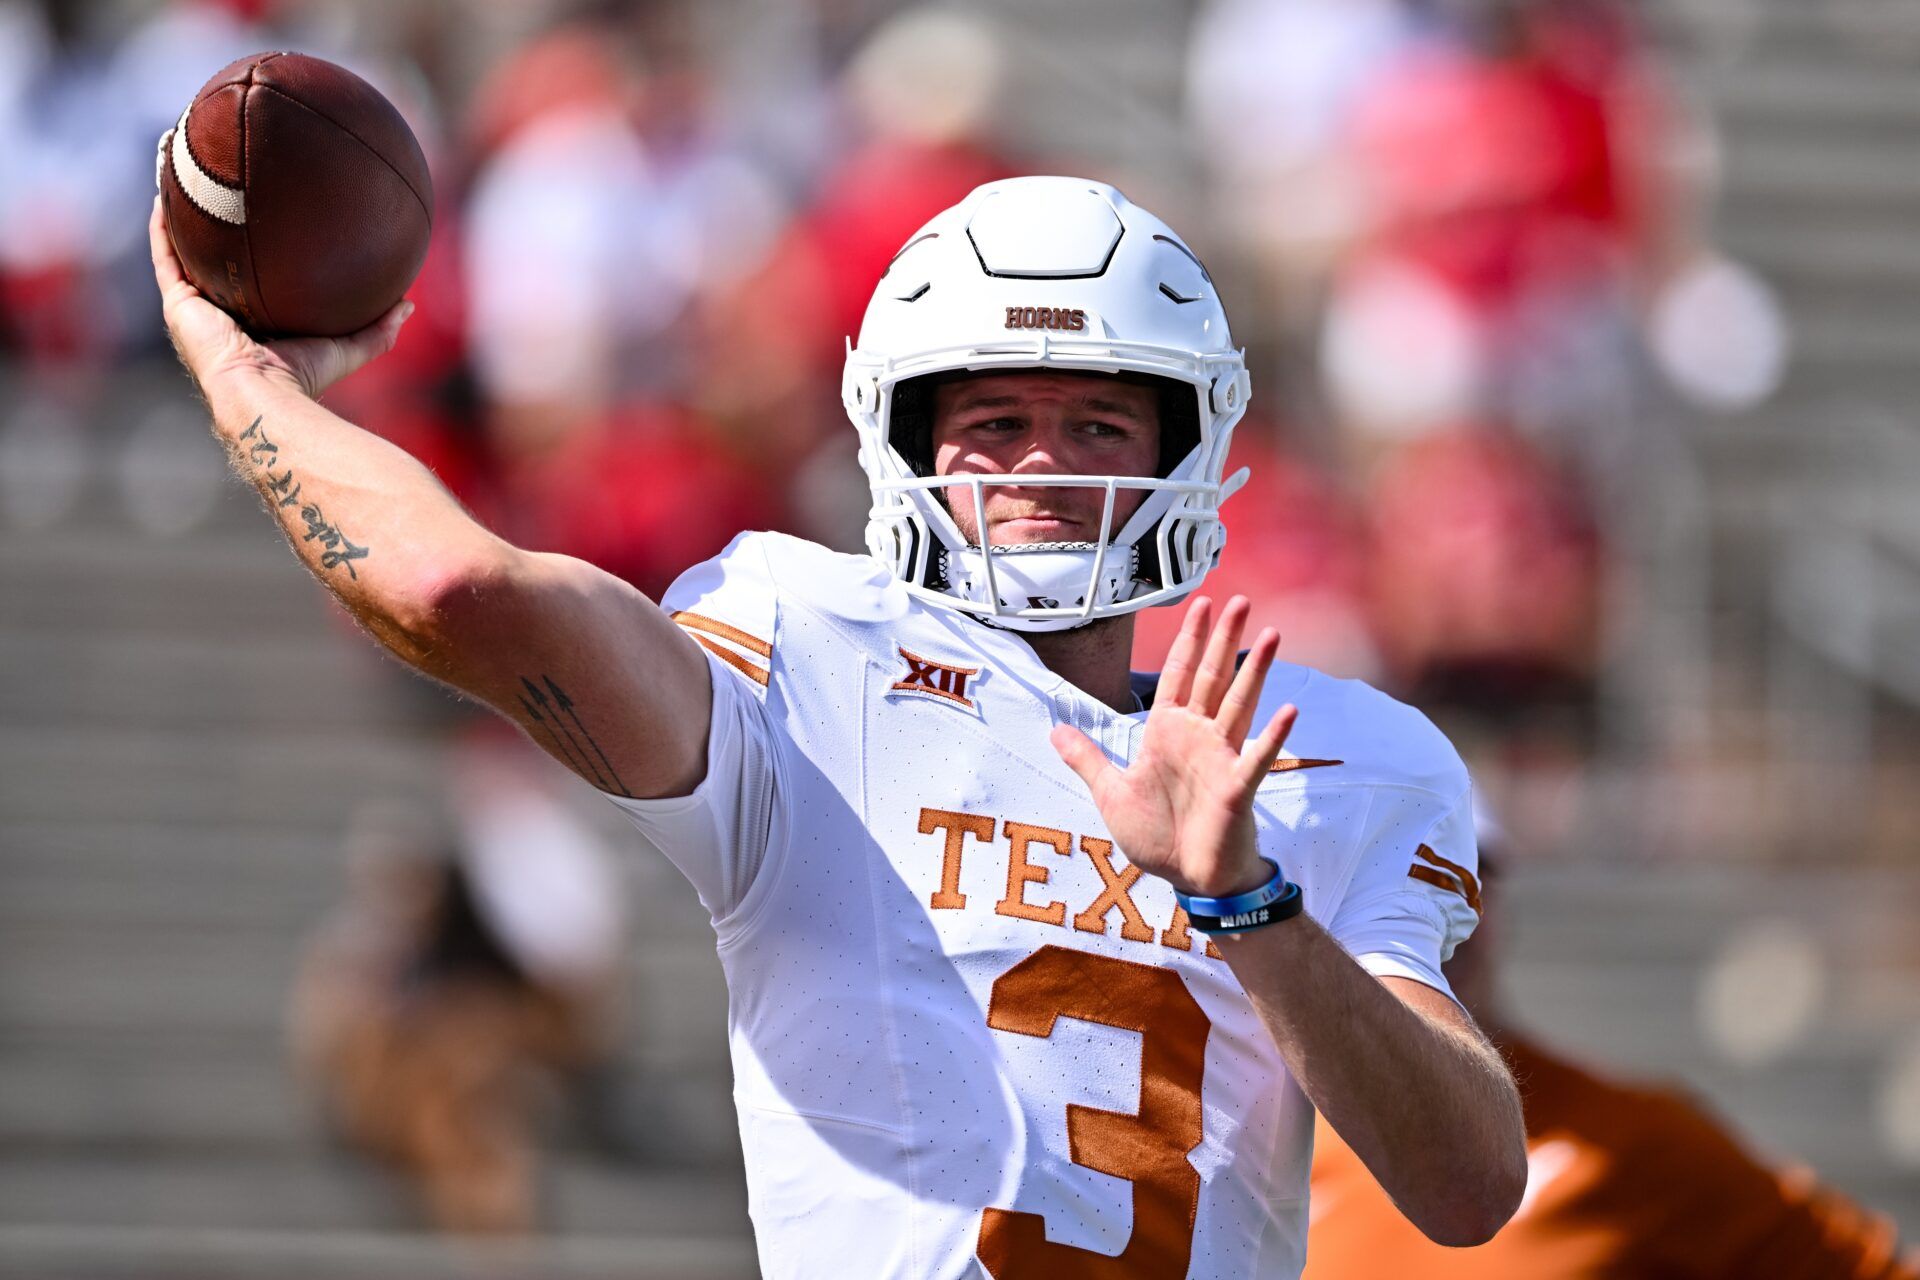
x=1149 y=1148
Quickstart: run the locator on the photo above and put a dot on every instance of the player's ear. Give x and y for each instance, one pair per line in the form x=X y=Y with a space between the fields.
x=1176 y=425
x=919 y=404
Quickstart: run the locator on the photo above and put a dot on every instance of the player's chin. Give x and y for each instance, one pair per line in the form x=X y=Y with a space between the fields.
x=1028 y=531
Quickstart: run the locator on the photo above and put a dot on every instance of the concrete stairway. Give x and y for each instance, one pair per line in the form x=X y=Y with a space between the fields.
x=185 y=728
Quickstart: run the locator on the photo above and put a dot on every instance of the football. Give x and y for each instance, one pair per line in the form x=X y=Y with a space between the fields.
x=297 y=198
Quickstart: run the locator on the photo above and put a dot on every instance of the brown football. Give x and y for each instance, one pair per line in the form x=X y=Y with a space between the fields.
x=296 y=196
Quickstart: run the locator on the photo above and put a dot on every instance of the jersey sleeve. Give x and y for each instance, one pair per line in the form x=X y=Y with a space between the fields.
x=1415 y=891
x=720 y=835
x=729 y=605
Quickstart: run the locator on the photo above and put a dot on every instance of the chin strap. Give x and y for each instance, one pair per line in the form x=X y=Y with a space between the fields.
x=1042 y=575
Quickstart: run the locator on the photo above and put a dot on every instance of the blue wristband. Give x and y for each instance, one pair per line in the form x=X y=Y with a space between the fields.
x=1272 y=902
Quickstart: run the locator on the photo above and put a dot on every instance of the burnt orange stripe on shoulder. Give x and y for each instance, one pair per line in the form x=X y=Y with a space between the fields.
x=1455 y=878
x=1439 y=879
x=744 y=665
x=726 y=631
x=1287 y=764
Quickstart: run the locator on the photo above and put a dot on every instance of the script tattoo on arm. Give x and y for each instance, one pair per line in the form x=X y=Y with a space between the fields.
x=284 y=490
x=551 y=711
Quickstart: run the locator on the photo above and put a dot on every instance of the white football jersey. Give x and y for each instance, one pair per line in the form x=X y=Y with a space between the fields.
x=968 y=1038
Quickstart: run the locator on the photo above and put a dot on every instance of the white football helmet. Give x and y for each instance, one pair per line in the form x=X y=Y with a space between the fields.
x=1056 y=273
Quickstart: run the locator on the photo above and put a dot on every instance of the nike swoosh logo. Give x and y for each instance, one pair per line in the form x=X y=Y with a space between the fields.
x=1290 y=763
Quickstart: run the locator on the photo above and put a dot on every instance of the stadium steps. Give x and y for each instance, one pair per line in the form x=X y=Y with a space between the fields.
x=186 y=725
x=1819 y=122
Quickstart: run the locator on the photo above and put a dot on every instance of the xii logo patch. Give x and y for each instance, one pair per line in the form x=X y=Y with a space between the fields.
x=933 y=679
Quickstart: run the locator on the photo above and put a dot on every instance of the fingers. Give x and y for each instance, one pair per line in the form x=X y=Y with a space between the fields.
x=1243 y=696
x=1216 y=668
x=1081 y=755
x=321 y=362
x=377 y=338
x=1176 y=678
x=166 y=263
x=1258 y=757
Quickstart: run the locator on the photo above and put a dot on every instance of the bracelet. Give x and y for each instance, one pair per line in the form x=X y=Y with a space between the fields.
x=1276 y=900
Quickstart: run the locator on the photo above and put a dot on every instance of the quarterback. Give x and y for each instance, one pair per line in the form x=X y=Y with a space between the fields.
x=1037 y=969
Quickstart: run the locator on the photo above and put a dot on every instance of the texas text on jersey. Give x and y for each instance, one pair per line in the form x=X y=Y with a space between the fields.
x=959 y=1020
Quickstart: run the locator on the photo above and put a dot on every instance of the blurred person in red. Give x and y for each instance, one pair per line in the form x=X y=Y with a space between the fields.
x=1482 y=201
x=599 y=207
x=921 y=94
x=561 y=280
x=1486 y=573
x=605 y=195
x=1506 y=159
x=1512 y=209
x=1626 y=1180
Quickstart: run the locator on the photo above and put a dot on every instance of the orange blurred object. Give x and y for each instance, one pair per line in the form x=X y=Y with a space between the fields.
x=431 y=1045
x=1625 y=1182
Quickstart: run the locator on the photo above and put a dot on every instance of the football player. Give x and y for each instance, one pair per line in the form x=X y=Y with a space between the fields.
x=1033 y=972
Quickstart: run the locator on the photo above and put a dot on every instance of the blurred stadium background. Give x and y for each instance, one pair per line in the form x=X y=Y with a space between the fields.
x=1584 y=336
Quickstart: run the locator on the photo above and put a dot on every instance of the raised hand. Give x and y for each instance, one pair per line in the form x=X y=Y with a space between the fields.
x=1183 y=810
x=212 y=344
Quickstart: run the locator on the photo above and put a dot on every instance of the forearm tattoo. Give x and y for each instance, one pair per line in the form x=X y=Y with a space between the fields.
x=338 y=551
x=552 y=713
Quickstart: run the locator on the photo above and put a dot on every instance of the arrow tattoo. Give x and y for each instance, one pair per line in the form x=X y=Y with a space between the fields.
x=540 y=697
x=565 y=704
x=533 y=711
x=542 y=712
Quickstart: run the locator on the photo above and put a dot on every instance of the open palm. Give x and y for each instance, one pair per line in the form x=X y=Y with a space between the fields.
x=1183 y=810
x=211 y=342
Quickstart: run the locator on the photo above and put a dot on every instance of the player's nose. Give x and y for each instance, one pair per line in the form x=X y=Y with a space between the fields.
x=1048 y=448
